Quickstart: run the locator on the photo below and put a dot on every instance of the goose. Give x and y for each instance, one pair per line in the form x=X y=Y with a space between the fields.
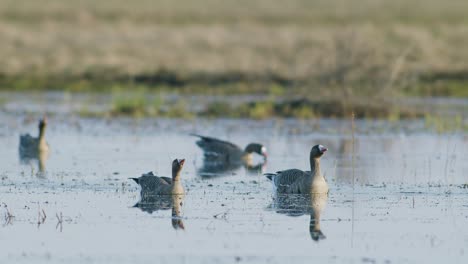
x=216 y=150
x=155 y=185
x=32 y=146
x=295 y=181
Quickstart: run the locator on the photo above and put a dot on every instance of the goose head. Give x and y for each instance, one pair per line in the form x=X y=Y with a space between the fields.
x=257 y=148
x=177 y=165
x=43 y=123
x=317 y=151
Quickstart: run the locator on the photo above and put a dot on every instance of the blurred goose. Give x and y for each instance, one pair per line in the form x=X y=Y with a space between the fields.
x=216 y=150
x=32 y=146
x=302 y=182
x=154 y=185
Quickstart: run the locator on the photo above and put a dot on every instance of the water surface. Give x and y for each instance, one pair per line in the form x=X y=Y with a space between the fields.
x=408 y=203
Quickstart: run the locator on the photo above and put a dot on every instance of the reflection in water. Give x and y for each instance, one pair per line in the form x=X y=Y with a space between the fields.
x=151 y=203
x=29 y=158
x=211 y=169
x=297 y=205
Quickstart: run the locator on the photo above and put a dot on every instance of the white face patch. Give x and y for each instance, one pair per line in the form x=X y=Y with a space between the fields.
x=322 y=148
x=264 y=150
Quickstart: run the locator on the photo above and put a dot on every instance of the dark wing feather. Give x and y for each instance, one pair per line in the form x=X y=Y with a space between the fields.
x=137 y=180
x=28 y=143
x=151 y=174
x=149 y=183
x=289 y=180
x=211 y=140
x=288 y=177
x=166 y=179
x=218 y=148
x=26 y=139
x=270 y=175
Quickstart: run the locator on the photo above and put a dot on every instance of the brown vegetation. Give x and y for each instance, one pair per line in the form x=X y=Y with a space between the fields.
x=354 y=47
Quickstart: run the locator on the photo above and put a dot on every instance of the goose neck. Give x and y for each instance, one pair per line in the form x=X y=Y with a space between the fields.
x=315 y=166
x=176 y=176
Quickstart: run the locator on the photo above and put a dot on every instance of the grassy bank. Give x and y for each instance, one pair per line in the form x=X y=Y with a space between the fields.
x=147 y=104
x=355 y=48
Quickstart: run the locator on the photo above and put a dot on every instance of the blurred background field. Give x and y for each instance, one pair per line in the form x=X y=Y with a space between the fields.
x=336 y=56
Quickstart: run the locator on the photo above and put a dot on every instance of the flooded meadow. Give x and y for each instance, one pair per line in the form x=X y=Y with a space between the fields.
x=398 y=191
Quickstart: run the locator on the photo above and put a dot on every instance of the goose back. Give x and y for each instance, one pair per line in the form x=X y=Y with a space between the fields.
x=292 y=181
x=27 y=144
x=220 y=150
x=154 y=185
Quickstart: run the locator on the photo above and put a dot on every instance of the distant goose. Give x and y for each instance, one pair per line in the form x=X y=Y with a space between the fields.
x=296 y=181
x=32 y=146
x=154 y=185
x=216 y=150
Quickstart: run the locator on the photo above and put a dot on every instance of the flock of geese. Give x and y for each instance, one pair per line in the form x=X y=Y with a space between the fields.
x=158 y=192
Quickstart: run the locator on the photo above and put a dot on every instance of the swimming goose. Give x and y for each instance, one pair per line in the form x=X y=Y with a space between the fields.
x=154 y=185
x=216 y=150
x=302 y=182
x=31 y=146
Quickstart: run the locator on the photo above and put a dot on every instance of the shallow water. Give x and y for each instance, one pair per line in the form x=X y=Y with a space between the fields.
x=408 y=203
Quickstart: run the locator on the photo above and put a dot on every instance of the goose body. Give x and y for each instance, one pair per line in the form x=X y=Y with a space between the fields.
x=155 y=185
x=30 y=146
x=216 y=150
x=295 y=181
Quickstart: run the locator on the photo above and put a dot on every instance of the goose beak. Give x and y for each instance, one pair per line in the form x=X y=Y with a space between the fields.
x=264 y=153
x=181 y=162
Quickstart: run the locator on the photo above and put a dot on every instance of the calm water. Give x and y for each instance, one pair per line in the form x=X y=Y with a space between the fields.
x=408 y=203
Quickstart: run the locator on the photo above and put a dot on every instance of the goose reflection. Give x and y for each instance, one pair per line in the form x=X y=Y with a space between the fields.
x=151 y=203
x=40 y=158
x=300 y=204
x=211 y=169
